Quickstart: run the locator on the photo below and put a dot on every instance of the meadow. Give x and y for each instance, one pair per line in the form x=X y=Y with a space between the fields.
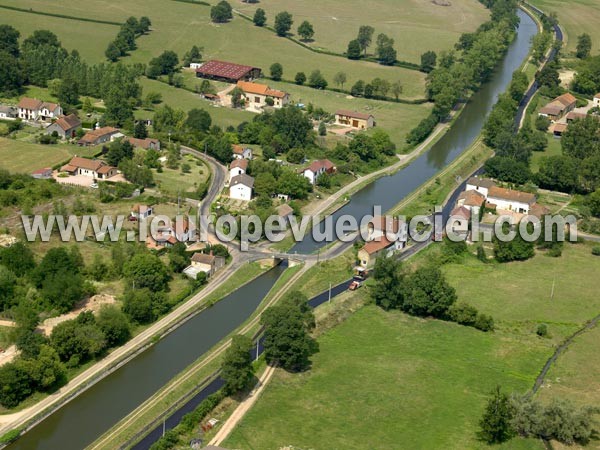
x=178 y=26
x=384 y=378
x=415 y=26
x=579 y=16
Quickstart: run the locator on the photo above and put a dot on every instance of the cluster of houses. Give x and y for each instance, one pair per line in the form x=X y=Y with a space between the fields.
x=563 y=110
x=484 y=193
x=384 y=237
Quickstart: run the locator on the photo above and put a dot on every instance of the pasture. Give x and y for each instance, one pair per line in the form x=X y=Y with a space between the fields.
x=415 y=26
x=178 y=26
x=384 y=378
x=575 y=18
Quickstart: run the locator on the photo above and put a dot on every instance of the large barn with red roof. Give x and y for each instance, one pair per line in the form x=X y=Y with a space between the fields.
x=227 y=71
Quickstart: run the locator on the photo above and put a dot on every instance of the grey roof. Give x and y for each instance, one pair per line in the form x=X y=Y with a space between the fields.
x=8 y=109
x=244 y=179
x=481 y=182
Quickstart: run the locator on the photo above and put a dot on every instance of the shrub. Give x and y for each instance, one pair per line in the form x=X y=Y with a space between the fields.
x=596 y=250
x=484 y=322
x=542 y=330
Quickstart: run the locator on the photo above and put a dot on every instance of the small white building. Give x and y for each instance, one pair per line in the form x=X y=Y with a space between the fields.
x=241 y=152
x=481 y=185
x=511 y=200
x=195 y=65
x=596 y=101
x=316 y=169
x=142 y=211
x=240 y=187
x=237 y=167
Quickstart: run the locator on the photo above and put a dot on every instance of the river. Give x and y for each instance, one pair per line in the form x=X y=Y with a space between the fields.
x=92 y=413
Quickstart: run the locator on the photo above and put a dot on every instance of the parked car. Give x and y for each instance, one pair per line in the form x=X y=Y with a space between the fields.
x=354 y=285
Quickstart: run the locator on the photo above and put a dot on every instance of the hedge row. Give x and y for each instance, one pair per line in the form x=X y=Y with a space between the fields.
x=62 y=16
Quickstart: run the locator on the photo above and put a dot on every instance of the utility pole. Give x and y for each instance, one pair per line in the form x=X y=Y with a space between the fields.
x=330 y=292
x=164 y=420
x=257 y=345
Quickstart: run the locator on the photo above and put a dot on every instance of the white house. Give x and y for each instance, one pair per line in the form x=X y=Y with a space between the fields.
x=237 y=167
x=510 y=200
x=142 y=211
x=241 y=152
x=596 y=102
x=201 y=262
x=240 y=187
x=481 y=185
x=387 y=227
x=8 y=112
x=256 y=95
x=471 y=199
x=317 y=168
x=34 y=109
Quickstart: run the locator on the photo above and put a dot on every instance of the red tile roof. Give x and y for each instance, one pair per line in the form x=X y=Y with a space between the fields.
x=385 y=223
x=461 y=211
x=566 y=99
x=68 y=122
x=225 y=69
x=472 y=198
x=203 y=258
x=353 y=114
x=241 y=163
x=511 y=195
x=30 y=103
x=238 y=149
x=377 y=245
x=315 y=166
x=142 y=143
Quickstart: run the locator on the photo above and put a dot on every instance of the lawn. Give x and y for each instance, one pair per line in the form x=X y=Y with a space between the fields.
x=177 y=26
x=396 y=118
x=384 y=378
x=173 y=181
x=416 y=26
x=20 y=156
x=554 y=148
x=579 y=16
x=519 y=295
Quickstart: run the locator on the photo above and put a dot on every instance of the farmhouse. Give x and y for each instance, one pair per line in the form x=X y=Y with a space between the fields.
x=240 y=187
x=558 y=107
x=34 y=109
x=201 y=262
x=66 y=126
x=511 y=200
x=241 y=152
x=146 y=144
x=373 y=249
x=481 y=185
x=237 y=167
x=318 y=168
x=99 y=136
x=354 y=119
x=8 y=112
x=471 y=199
x=89 y=167
x=227 y=71
x=256 y=95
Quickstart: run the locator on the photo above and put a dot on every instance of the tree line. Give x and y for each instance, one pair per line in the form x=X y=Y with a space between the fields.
x=125 y=40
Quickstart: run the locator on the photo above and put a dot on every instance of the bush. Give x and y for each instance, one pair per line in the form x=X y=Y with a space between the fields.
x=596 y=250
x=463 y=313
x=484 y=322
x=542 y=330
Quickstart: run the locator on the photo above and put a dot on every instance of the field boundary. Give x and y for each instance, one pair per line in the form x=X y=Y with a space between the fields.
x=62 y=16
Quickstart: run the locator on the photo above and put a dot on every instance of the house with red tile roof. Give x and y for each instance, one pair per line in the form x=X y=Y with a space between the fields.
x=227 y=71
x=256 y=95
x=354 y=119
x=237 y=167
x=511 y=200
x=558 y=107
x=318 y=168
x=242 y=152
x=146 y=144
x=596 y=101
x=99 y=136
x=95 y=168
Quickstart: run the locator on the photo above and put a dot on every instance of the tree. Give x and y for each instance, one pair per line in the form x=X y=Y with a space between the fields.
x=144 y=25
x=283 y=23
x=140 y=131
x=542 y=123
x=143 y=305
x=354 y=50
x=114 y=324
x=385 y=50
x=582 y=138
x=145 y=270
x=77 y=340
x=8 y=282
x=559 y=172
x=316 y=80
x=260 y=17
x=365 y=36
x=118 y=107
x=287 y=341
x=236 y=369
x=221 y=12
x=322 y=129
x=237 y=98
x=340 y=78
x=118 y=151
x=18 y=258
x=198 y=120
x=164 y=64
x=300 y=78
x=358 y=89
x=496 y=421
x=306 y=30
x=276 y=70
x=193 y=56
x=9 y=40
x=388 y=278
x=516 y=249
x=427 y=293
x=16 y=385
x=396 y=89
x=11 y=75
x=584 y=46
x=113 y=53
x=428 y=61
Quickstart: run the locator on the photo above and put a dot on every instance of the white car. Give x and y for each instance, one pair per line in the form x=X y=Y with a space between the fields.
x=94 y=185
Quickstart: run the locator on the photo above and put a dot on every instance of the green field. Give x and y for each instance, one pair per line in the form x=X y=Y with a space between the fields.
x=416 y=26
x=20 y=156
x=177 y=26
x=518 y=295
x=173 y=181
x=387 y=381
x=575 y=17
